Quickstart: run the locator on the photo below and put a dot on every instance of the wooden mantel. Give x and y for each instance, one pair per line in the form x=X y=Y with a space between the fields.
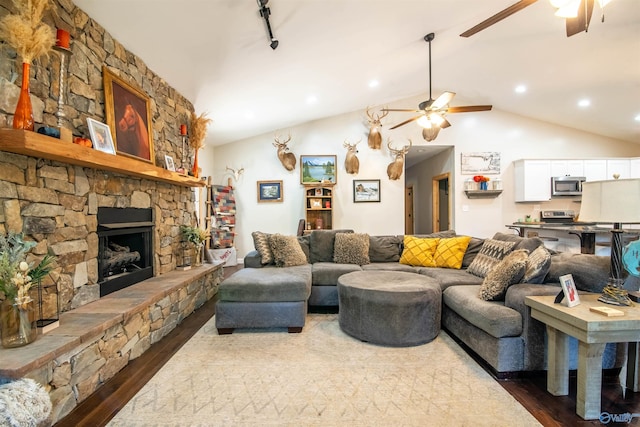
x=36 y=145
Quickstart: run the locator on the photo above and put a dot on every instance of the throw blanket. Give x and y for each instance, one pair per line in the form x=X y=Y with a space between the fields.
x=23 y=403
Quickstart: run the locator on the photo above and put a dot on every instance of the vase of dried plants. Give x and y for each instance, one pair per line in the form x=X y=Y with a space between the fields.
x=198 y=133
x=23 y=117
x=18 y=323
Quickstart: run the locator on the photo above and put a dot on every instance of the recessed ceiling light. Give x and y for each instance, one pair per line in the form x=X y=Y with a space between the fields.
x=637 y=118
x=312 y=99
x=374 y=83
x=584 y=103
x=521 y=89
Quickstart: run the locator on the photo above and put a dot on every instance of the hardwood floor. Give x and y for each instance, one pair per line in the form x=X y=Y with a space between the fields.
x=530 y=390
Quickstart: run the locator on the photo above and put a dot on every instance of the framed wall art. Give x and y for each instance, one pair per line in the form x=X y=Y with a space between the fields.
x=318 y=169
x=101 y=136
x=480 y=163
x=366 y=190
x=128 y=114
x=270 y=191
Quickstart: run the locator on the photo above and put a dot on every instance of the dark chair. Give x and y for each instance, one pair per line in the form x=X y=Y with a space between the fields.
x=300 y=227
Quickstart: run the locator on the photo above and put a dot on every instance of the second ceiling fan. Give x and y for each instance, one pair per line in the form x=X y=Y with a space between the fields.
x=432 y=111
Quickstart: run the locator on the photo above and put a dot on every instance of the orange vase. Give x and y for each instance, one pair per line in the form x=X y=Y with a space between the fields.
x=23 y=117
x=194 y=170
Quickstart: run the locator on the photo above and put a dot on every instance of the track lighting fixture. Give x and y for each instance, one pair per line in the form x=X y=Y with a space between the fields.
x=265 y=12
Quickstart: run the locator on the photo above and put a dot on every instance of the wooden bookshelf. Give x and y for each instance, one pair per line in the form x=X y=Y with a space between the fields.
x=36 y=145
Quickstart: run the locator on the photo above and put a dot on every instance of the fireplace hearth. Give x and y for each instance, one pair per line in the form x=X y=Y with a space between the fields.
x=125 y=247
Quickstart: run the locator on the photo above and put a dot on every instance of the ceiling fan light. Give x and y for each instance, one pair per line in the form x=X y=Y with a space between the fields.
x=569 y=10
x=436 y=119
x=424 y=122
x=603 y=3
x=429 y=134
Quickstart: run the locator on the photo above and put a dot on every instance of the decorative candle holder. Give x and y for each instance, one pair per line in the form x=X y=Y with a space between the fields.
x=62 y=46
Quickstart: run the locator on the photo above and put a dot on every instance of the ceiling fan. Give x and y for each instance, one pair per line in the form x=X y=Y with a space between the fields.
x=432 y=111
x=577 y=13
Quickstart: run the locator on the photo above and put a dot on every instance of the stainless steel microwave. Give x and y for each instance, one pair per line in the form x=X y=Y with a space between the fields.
x=567 y=185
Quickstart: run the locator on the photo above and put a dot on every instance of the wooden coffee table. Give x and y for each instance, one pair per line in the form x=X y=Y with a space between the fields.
x=593 y=332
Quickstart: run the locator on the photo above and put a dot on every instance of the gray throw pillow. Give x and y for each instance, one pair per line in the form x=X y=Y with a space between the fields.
x=473 y=249
x=384 y=248
x=286 y=251
x=261 y=243
x=528 y=243
x=538 y=266
x=506 y=273
x=321 y=245
x=351 y=248
x=590 y=272
x=490 y=255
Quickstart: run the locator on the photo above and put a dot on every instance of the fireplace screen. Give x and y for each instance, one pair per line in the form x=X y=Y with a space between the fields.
x=125 y=247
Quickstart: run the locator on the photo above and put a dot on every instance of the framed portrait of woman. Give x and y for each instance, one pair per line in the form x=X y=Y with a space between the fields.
x=128 y=114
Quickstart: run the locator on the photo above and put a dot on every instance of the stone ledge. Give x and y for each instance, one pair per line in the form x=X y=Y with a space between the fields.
x=88 y=322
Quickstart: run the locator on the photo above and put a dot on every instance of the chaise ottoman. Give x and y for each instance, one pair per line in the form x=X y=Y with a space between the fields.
x=269 y=297
x=389 y=307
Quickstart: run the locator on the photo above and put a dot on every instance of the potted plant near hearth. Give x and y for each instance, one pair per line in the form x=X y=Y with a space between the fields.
x=17 y=277
x=197 y=236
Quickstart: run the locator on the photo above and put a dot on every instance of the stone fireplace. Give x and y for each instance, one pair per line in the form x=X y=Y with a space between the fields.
x=125 y=247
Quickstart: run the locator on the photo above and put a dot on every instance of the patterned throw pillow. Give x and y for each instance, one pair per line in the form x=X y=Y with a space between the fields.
x=538 y=266
x=419 y=252
x=507 y=272
x=450 y=252
x=261 y=243
x=351 y=248
x=286 y=251
x=489 y=256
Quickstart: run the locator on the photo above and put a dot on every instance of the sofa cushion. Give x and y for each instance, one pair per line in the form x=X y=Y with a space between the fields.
x=384 y=248
x=417 y=251
x=304 y=244
x=351 y=248
x=286 y=251
x=507 y=272
x=490 y=316
x=528 y=243
x=321 y=245
x=475 y=244
x=327 y=273
x=590 y=272
x=390 y=266
x=267 y=284
x=261 y=243
x=490 y=255
x=538 y=265
x=449 y=277
x=450 y=252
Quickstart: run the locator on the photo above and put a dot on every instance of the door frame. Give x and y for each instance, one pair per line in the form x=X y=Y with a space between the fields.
x=409 y=218
x=435 y=200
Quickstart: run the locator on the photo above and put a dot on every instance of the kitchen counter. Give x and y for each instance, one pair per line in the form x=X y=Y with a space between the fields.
x=585 y=232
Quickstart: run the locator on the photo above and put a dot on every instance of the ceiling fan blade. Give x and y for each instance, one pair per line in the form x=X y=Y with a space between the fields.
x=469 y=108
x=407 y=121
x=498 y=17
x=581 y=22
x=442 y=100
x=398 y=109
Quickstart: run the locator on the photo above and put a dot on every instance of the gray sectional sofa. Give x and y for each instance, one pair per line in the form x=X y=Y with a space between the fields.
x=501 y=332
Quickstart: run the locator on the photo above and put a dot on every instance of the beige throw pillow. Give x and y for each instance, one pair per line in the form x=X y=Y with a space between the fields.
x=287 y=252
x=508 y=271
x=261 y=243
x=351 y=248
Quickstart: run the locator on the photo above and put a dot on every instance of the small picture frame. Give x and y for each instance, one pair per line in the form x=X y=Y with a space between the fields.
x=318 y=192
x=270 y=191
x=315 y=203
x=366 y=190
x=571 y=297
x=101 y=136
x=168 y=161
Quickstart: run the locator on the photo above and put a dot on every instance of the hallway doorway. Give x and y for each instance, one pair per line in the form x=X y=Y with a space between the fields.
x=441 y=202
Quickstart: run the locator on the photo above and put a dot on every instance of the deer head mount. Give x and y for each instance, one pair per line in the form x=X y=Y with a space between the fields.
x=236 y=172
x=395 y=168
x=351 y=162
x=287 y=158
x=375 y=138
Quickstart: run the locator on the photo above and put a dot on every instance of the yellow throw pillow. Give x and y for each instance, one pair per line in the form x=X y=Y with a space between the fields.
x=450 y=252
x=418 y=251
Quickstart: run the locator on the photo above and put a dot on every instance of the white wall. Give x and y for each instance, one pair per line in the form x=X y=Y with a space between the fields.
x=515 y=137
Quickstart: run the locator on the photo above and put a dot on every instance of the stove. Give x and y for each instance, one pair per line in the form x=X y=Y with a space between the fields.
x=558 y=216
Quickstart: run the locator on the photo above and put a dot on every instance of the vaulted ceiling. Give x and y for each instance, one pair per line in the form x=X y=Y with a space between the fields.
x=217 y=54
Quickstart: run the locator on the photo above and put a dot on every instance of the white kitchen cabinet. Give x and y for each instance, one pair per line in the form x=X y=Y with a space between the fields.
x=634 y=168
x=567 y=168
x=595 y=169
x=532 y=180
x=620 y=167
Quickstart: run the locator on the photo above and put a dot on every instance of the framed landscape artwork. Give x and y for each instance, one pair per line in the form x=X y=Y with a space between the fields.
x=100 y=136
x=480 y=163
x=128 y=115
x=318 y=169
x=366 y=190
x=270 y=191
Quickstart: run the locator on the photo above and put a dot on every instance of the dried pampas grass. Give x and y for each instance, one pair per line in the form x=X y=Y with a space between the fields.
x=198 y=130
x=25 y=31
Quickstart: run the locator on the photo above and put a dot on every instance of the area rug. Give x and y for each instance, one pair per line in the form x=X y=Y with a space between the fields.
x=320 y=377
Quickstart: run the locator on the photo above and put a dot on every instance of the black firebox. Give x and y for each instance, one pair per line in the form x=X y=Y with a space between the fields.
x=125 y=247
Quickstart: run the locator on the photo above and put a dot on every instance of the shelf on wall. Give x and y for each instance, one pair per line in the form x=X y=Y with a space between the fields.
x=36 y=145
x=482 y=194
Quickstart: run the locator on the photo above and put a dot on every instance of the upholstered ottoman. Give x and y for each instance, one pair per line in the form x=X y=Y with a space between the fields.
x=269 y=297
x=389 y=307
